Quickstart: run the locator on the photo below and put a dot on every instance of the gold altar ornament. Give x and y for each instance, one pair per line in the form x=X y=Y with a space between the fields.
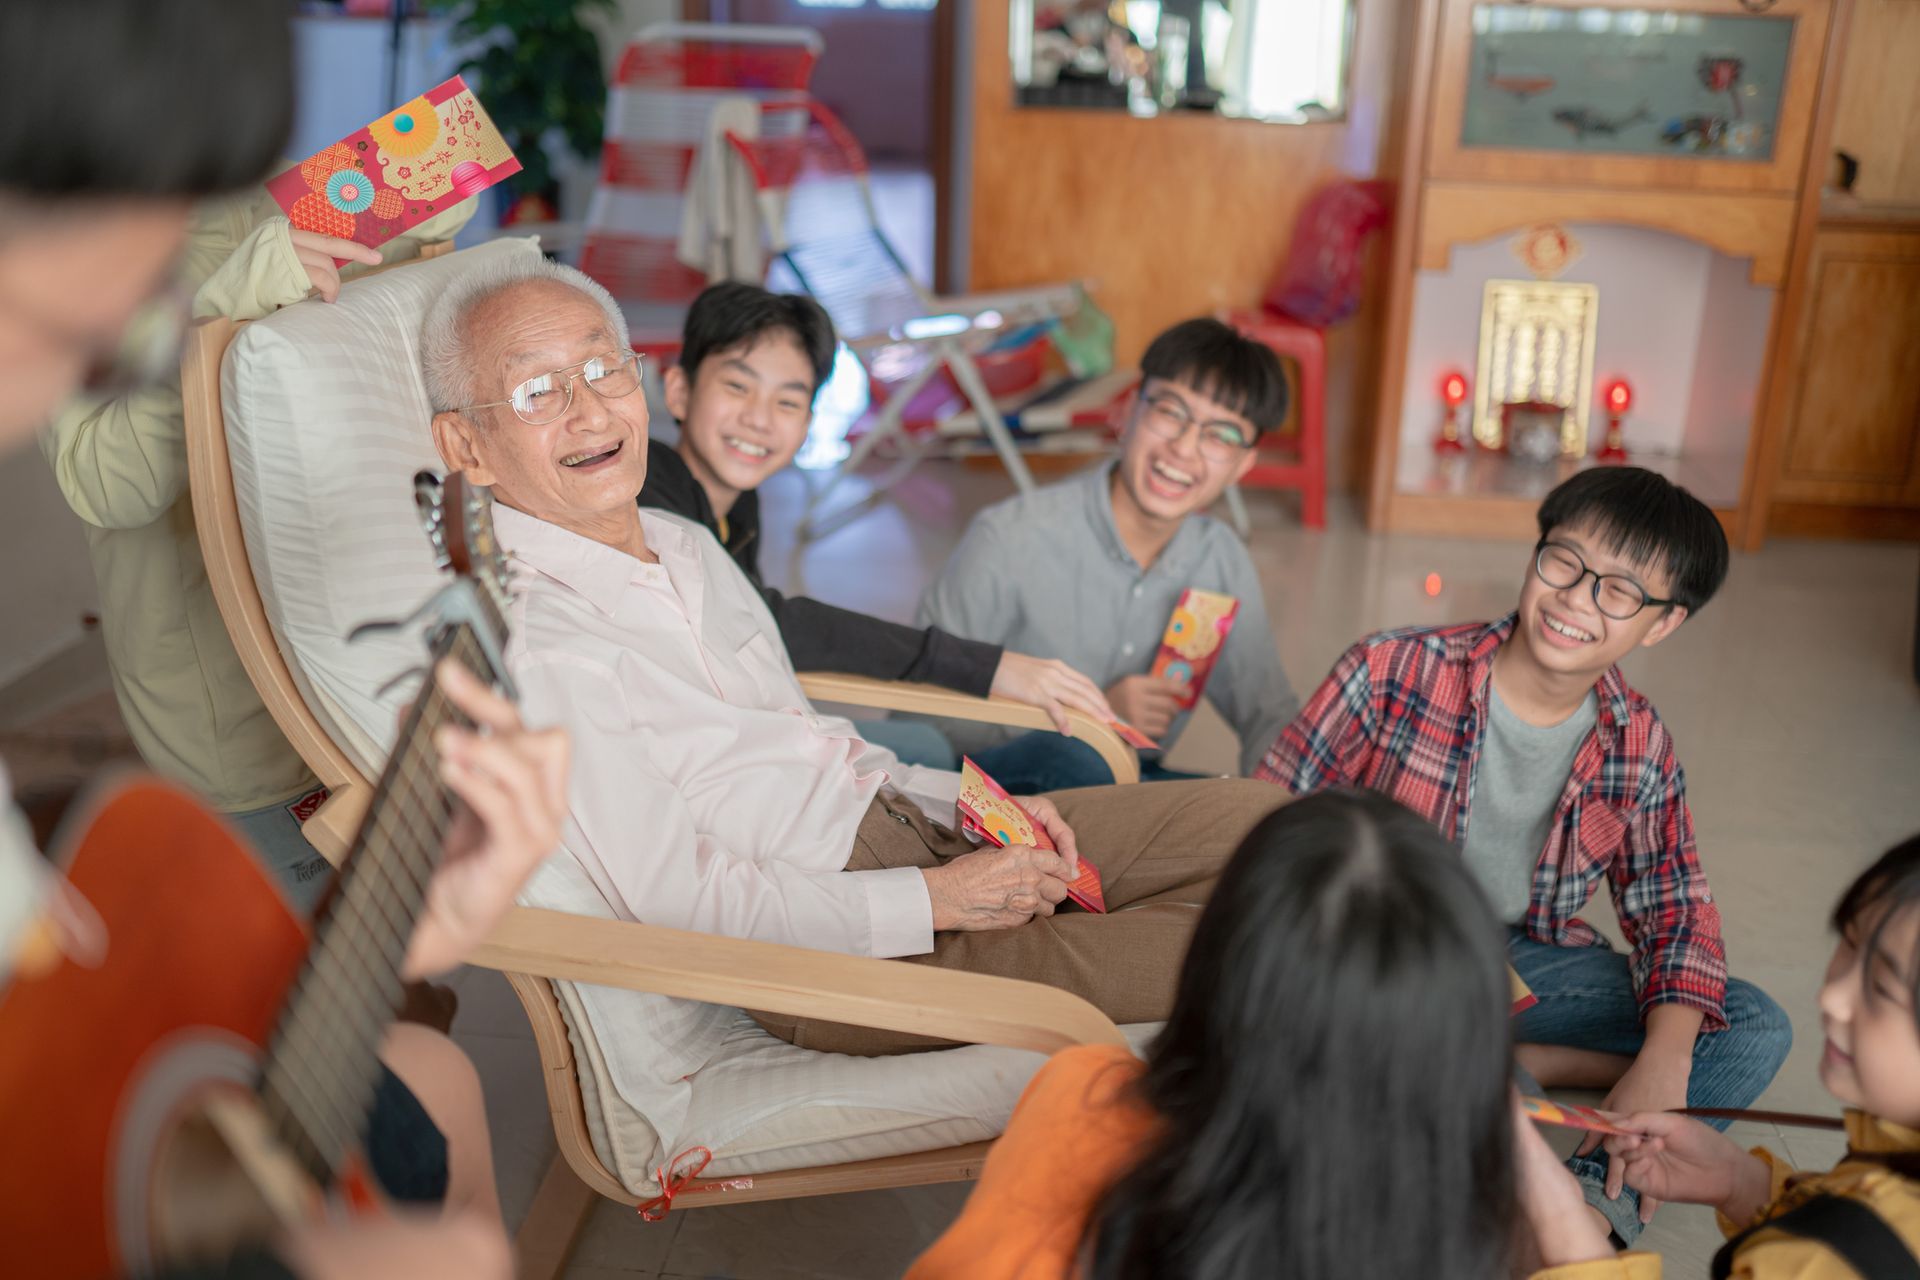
x=1536 y=345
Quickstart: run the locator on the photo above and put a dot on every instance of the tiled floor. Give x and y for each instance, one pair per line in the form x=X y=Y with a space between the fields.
x=1790 y=699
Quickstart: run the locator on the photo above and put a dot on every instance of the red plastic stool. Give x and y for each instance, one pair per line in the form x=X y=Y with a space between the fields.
x=1301 y=462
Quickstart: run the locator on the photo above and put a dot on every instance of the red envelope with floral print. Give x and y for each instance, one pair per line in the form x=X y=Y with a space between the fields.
x=418 y=160
x=987 y=811
x=1191 y=645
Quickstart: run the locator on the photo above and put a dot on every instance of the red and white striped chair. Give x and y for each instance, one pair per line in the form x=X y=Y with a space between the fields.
x=822 y=225
x=679 y=88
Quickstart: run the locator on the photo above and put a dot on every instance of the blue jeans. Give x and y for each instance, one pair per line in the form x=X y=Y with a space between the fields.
x=1043 y=761
x=1586 y=1001
x=274 y=835
x=913 y=742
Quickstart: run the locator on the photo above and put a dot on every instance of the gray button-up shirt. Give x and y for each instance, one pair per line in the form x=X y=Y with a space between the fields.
x=1047 y=574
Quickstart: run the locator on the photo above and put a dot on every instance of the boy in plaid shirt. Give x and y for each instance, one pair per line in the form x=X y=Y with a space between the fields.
x=1521 y=740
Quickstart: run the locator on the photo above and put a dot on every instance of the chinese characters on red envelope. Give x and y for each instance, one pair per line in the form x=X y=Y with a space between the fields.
x=418 y=160
x=987 y=811
x=1191 y=645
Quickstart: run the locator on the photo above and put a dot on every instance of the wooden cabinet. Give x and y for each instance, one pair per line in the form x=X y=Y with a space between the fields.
x=1852 y=434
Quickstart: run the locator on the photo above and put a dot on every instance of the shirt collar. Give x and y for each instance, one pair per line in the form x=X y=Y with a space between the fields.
x=1870 y=1135
x=1099 y=499
x=593 y=569
x=1610 y=691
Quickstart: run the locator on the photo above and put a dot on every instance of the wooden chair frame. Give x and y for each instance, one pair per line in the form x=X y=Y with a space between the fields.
x=534 y=947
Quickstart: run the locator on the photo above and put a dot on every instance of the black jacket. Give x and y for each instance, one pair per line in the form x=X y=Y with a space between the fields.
x=820 y=637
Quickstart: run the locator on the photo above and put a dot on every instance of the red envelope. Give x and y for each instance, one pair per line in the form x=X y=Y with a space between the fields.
x=412 y=164
x=1132 y=736
x=986 y=810
x=1569 y=1115
x=1191 y=644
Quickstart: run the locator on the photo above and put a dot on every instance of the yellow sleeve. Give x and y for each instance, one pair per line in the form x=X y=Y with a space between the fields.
x=260 y=276
x=1779 y=1173
x=1626 y=1266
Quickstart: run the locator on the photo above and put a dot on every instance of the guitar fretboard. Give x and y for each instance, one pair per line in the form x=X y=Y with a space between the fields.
x=323 y=1066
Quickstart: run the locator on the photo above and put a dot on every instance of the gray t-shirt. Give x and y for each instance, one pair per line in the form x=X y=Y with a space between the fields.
x=1047 y=574
x=1523 y=769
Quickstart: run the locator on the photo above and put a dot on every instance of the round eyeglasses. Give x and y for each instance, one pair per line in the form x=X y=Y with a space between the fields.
x=541 y=400
x=1167 y=416
x=1616 y=595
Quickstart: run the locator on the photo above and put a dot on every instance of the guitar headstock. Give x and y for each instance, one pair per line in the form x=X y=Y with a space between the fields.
x=457 y=517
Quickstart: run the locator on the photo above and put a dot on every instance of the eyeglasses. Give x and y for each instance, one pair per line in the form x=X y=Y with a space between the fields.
x=1167 y=416
x=541 y=400
x=1616 y=595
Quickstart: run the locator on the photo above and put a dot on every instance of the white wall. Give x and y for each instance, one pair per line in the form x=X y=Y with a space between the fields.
x=1679 y=321
x=46 y=580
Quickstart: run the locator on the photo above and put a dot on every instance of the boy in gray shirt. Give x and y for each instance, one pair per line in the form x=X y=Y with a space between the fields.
x=1089 y=570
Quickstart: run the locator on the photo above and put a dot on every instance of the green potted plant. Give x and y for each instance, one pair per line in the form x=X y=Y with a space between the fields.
x=537 y=69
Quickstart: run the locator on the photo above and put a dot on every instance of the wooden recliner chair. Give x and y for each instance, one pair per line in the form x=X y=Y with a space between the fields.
x=536 y=947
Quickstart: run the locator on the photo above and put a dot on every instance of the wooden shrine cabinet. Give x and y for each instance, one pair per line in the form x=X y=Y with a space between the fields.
x=1658 y=153
x=1849 y=449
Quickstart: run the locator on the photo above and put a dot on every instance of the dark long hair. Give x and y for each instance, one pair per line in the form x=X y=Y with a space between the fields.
x=1333 y=1080
x=1893 y=883
x=161 y=98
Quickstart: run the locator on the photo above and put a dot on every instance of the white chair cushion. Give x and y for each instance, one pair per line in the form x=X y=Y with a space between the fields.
x=326 y=420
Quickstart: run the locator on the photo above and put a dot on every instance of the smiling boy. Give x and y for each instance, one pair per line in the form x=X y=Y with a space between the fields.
x=1521 y=740
x=1089 y=570
x=751 y=363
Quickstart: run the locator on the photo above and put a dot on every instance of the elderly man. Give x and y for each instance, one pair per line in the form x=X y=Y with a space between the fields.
x=708 y=794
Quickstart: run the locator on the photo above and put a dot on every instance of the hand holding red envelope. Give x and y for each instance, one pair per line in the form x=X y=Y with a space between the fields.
x=410 y=165
x=987 y=811
x=1570 y=1115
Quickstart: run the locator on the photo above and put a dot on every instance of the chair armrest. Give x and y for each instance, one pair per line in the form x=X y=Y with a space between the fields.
x=931 y=700
x=886 y=994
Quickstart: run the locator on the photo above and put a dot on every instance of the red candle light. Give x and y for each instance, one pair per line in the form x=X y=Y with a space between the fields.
x=1453 y=394
x=1618 y=397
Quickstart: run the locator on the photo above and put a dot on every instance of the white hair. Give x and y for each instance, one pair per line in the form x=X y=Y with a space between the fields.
x=446 y=344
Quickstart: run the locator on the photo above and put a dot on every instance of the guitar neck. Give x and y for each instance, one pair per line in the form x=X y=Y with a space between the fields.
x=322 y=1066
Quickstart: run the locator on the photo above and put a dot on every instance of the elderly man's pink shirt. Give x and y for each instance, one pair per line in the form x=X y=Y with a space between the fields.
x=706 y=792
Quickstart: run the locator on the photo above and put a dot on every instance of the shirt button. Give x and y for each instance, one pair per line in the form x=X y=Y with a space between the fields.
x=1126 y=649
x=1137 y=589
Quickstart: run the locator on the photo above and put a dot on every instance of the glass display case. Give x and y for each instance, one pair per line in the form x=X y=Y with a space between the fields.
x=1702 y=95
x=1651 y=82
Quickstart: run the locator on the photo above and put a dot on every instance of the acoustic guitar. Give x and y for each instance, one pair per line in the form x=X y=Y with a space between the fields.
x=211 y=1078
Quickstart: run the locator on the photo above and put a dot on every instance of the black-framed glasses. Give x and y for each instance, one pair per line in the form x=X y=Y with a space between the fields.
x=1614 y=594
x=1167 y=416
x=540 y=400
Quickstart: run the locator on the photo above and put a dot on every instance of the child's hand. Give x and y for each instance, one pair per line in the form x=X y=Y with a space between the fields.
x=1564 y=1229
x=1673 y=1157
x=317 y=252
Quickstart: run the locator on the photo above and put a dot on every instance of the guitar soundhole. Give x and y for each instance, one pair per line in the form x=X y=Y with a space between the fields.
x=205 y=1205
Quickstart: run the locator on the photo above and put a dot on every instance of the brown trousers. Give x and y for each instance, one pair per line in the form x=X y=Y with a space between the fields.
x=1159 y=848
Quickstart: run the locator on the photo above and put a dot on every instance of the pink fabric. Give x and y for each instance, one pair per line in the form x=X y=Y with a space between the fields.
x=706 y=793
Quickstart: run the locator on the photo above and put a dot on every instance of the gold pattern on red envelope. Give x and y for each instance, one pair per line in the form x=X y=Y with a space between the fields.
x=987 y=811
x=1191 y=645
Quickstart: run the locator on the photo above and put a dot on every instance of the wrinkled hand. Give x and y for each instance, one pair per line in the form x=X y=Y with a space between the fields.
x=1652 y=1083
x=1564 y=1229
x=512 y=782
x=317 y=252
x=1148 y=703
x=1051 y=685
x=1673 y=1157
x=1043 y=812
x=996 y=888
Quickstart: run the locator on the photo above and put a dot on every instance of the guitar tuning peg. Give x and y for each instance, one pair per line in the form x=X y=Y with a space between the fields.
x=429 y=501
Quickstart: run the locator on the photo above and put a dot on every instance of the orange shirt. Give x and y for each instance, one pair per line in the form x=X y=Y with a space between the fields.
x=1075 y=1133
x=1078 y=1129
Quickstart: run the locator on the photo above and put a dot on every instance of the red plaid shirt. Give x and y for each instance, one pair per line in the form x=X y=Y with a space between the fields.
x=1405 y=713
